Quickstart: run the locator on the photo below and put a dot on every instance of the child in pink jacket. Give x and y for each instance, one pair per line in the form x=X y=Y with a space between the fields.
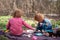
x=15 y=24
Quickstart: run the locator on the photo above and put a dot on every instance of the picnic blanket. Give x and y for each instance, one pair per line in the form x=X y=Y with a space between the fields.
x=27 y=37
x=31 y=37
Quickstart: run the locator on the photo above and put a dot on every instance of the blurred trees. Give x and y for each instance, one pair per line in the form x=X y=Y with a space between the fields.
x=47 y=7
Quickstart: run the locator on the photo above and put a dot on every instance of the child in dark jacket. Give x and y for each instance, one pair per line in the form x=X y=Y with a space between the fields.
x=43 y=24
x=47 y=26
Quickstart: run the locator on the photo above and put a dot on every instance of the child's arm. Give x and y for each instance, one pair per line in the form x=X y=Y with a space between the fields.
x=8 y=26
x=28 y=26
x=38 y=27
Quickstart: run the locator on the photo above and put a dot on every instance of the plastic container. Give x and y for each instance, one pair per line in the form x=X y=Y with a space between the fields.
x=38 y=34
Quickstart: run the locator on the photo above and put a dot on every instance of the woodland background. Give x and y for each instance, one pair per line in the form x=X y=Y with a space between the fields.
x=50 y=8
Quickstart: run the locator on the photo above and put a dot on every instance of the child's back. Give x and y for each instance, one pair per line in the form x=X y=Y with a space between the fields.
x=15 y=24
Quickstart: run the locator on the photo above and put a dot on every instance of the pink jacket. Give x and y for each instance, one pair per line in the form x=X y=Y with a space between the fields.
x=15 y=26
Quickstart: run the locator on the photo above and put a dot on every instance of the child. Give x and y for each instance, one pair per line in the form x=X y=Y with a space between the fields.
x=15 y=24
x=46 y=24
x=39 y=19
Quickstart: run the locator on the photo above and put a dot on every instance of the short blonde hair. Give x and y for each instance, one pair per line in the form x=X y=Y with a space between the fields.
x=39 y=17
x=17 y=11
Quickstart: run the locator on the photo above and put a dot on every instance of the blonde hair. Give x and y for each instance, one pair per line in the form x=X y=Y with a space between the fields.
x=19 y=12
x=39 y=17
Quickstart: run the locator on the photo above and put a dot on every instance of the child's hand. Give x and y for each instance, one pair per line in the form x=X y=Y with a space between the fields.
x=47 y=34
x=7 y=31
x=39 y=31
x=43 y=31
x=34 y=28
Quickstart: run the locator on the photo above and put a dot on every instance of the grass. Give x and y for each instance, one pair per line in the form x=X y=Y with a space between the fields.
x=4 y=21
x=55 y=23
x=3 y=38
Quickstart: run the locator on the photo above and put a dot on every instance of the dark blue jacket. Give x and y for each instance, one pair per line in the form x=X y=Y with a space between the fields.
x=47 y=28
